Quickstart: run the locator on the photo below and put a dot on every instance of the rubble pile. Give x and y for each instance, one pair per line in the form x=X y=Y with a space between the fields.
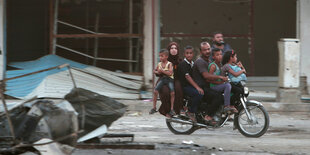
x=62 y=122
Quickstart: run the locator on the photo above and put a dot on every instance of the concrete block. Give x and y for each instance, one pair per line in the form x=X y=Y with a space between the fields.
x=288 y=95
x=289 y=63
x=303 y=85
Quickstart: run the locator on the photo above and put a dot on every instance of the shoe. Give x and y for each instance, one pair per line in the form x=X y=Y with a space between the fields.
x=152 y=111
x=172 y=113
x=233 y=109
x=192 y=117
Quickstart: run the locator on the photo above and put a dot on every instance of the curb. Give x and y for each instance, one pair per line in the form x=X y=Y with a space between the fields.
x=145 y=105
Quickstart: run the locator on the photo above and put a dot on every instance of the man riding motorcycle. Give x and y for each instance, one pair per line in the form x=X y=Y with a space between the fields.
x=251 y=120
x=201 y=77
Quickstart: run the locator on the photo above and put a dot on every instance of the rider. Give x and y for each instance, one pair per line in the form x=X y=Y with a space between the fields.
x=218 y=42
x=190 y=87
x=218 y=85
x=235 y=71
x=202 y=77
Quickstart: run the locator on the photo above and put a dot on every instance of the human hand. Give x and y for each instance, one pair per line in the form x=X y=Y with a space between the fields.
x=243 y=70
x=224 y=78
x=200 y=91
x=240 y=64
x=160 y=71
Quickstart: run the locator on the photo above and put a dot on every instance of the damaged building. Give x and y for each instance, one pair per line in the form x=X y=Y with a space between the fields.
x=126 y=35
x=110 y=47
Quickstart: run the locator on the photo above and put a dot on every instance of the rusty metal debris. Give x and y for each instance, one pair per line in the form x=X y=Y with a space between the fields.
x=47 y=124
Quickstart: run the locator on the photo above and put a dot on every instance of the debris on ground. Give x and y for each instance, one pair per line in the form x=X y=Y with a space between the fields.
x=46 y=125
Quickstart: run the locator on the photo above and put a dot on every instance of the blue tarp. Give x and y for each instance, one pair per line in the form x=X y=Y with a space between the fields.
x=21 y=87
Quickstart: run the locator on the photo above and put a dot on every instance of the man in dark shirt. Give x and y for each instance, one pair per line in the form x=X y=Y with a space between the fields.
x=202 y=77
x=190 y=88
x=218 y=42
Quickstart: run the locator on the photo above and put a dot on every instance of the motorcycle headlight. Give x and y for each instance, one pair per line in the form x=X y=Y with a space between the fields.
x=246 y=90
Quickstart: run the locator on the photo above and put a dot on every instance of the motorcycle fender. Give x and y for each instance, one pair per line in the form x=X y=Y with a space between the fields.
x=254 y=103
x=248 y=103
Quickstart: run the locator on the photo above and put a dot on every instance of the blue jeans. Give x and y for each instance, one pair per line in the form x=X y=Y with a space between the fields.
x=226 y=88
x=195 y=97
x=165 y=81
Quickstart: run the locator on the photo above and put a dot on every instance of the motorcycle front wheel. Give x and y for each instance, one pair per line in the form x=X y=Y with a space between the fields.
x=180 y=128
x=258 y=123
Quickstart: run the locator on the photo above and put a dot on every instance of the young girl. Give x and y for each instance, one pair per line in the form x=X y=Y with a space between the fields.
x=220 y=86
x=236 y=72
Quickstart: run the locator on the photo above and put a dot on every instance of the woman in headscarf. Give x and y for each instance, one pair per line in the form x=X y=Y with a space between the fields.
x=164 y=93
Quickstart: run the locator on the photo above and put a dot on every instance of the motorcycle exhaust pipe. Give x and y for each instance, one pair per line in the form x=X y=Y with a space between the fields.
x=177 y=120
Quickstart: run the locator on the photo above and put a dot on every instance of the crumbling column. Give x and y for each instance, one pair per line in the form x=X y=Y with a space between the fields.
x=289 y=70
x=303 y=33
x=147 y=42
x=151 y=40
x=2 y=37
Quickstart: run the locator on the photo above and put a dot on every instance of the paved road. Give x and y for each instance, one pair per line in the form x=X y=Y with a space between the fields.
x=288 y=134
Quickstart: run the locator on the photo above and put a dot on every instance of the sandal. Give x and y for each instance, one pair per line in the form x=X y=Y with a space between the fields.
x=192 y=117
x=227 y=109
x=233 y=109
x=183 y=111
x=168 y=116
x=209 y=120
x=152 y=111
x=172 y=112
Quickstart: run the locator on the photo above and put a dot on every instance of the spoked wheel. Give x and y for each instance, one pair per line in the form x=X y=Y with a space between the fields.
x=176 y=126
x=258 y=123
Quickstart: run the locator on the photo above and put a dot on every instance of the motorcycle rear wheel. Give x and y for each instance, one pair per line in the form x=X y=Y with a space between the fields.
x=180 y=128
x=255 y=128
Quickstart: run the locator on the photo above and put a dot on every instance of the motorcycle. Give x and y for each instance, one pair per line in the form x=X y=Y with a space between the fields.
x=252 y=119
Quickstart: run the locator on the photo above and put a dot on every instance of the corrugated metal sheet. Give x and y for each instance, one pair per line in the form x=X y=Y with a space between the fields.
x=57 y=83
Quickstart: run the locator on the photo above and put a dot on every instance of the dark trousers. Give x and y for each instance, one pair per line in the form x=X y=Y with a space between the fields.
x=195 y=97
x=236 y=90
x=213 y=101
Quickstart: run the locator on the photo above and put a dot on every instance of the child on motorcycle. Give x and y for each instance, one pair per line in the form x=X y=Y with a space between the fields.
x=235 y=70
x=190 y=87
x=218 y=85
x=165 y=69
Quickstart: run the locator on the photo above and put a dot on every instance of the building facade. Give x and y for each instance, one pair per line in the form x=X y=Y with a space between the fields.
x=126 y=35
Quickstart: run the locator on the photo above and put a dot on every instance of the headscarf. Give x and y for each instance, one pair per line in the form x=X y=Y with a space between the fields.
x=174 y=58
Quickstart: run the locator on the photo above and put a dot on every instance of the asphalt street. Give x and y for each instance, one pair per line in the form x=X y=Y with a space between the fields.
x=289 y=133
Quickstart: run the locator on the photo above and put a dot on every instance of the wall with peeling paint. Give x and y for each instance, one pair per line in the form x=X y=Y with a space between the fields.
x=273 y=19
